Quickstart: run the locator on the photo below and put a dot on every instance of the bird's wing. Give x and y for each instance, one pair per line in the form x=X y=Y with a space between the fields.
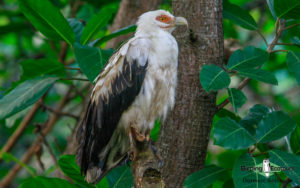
x=115 y=90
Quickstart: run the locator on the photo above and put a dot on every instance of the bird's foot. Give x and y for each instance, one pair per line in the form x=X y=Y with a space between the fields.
x=132 y=154
x=138 y=136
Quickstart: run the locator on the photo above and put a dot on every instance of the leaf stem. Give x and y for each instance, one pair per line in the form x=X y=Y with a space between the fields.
x=263 y=37
x=274 y=51
x=288 y=44
x=79 y=79
x=291 y=26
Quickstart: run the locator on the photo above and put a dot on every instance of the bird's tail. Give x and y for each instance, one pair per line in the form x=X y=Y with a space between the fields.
x=114 y=154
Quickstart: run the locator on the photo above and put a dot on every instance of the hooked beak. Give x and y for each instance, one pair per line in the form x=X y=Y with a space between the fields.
x=180 y=21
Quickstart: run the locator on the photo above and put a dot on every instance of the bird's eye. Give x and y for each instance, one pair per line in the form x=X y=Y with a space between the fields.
x=163 y=18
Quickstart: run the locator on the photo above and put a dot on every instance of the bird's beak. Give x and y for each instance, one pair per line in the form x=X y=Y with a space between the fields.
x=180 y=21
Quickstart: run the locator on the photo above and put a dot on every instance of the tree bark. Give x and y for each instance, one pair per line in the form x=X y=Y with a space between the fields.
x=128 y=14
x=184 y=135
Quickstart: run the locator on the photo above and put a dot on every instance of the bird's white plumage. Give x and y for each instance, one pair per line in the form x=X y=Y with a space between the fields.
x=157 y=96
x=143 y=70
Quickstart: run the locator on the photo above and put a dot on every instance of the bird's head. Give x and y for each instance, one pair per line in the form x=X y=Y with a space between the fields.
x=153 y=21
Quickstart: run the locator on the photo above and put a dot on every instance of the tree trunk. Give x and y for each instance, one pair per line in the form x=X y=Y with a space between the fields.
x=128 y=14
x=184 y=135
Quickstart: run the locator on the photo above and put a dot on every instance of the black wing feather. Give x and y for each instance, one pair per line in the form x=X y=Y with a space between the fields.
x=102 y=119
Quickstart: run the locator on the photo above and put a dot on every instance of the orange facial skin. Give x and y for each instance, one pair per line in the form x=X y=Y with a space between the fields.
x=164 y=18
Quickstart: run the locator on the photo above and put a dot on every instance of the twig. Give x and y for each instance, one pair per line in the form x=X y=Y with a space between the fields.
x=73 y=68
x=79 y=79
x=27 y=156
x=63 y=52
x=263 y=37
x=48 y=148
x=59 y=113
x=279 y=29
x=18 y=132
x=286 y=182
x=274 y=51
x=288 y=44
x=277 y=175
x=240 y=87
x=259 y=154
x=57 y=145
x=291 y=26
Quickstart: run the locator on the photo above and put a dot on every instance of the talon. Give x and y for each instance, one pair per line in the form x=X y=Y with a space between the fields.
x=138 y=136
x=132 y=155
x=147 y=137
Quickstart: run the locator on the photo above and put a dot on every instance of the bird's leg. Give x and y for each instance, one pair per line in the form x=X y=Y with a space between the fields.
x=147 y=135
x=137 y=135
x=132 y=153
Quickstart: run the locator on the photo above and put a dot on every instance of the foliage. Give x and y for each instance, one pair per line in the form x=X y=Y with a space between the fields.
x=50 y=62
x=262 y=125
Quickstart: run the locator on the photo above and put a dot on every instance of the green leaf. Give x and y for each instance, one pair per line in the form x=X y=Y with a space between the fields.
x=77 y=27
x=214 y=78
x=103 y=183
x=226 y=113
x=47 y=19
x=7 y=157
x=122 y=31
x=293 y=62
x=274 y=126
x=155 y=131
x=45 y=182
x=24 y=95
x=236 y=98
x=70 y=168
x=120 y=177
x=284 y=159
x=239 y=16
x=295 y=140
x=250 y=57
x=33 y=68
x=204 y=177
x=226 y=130
x=259 y=75
x=97 y=22
x=254 y=116
x=89 y=60
x=271 y=7
x=251 y=178
x=287 y=9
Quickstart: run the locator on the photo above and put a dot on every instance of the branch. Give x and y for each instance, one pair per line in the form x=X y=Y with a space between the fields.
x=59 y=113
x=79 y=79
x=263 y=37
x=286 y=182
x=18 y=132
x=73 y=68
x=27 y=156
x=288 y=44
x=146 y=167
x=291 y=26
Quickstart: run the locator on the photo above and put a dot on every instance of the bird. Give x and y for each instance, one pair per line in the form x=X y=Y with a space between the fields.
x=266 y=167
x=134 y=89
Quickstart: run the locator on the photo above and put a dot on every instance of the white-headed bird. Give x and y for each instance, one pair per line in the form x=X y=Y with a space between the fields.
x=136 y=87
